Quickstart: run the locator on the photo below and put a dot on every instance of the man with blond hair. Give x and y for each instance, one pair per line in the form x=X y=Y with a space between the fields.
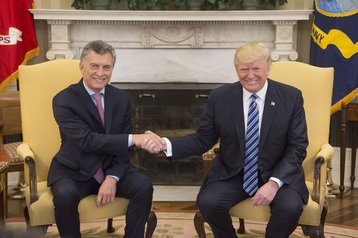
x=263 y=139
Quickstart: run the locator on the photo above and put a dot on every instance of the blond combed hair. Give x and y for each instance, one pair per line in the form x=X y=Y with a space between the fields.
x=252 y=51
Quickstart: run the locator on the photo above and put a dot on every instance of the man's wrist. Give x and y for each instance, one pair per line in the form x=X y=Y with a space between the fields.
x=278 y=182
x=114 y=177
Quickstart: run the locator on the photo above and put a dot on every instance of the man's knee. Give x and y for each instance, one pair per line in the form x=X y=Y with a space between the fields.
x=66 y=197
x=207 y=205
x=287 y=211
x=292 y=211
x=144 y=189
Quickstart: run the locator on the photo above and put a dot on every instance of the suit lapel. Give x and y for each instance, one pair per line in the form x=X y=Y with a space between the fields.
x=270 y=109
x=236 y=105
x=87 y=101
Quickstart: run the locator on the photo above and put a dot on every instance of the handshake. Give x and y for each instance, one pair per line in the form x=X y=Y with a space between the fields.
x=150 y=142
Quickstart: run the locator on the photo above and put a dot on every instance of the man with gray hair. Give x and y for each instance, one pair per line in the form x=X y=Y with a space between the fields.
x=95 y=124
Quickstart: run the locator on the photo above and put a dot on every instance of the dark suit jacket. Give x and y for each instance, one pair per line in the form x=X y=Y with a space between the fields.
x=283 y=135
x=85 y=143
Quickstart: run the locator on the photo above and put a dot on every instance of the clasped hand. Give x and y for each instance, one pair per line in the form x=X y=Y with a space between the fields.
x=149 y=141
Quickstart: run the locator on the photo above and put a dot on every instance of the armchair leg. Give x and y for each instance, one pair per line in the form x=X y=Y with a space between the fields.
x=316 y=231
x=26 y=215
x=313 y=231
x=199 y=225
x=151 y=224
x=40 y=230
x=110 y=228
x=241 y=229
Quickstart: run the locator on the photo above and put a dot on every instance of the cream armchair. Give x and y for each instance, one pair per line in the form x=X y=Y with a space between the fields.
x=38 y=84
x=316 y=85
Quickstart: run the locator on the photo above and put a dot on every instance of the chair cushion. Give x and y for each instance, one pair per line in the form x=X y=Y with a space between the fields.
x=311 y=214
x=10 y=149
x=42 y=212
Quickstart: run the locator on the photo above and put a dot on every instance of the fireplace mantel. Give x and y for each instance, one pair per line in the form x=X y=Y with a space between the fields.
x=178 y=16
x=201 y=38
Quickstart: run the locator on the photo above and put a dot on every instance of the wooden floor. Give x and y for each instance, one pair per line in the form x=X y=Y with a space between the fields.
x=344 y=211
x=340 y=211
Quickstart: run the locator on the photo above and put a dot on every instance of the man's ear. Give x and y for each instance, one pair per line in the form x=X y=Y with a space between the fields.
x=81 y=67
x=237 y=70
x=268 y=69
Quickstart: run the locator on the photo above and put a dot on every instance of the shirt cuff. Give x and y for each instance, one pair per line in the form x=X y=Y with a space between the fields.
x=169 y=151
x=279 y=182
x=130 y=140
x=115 y=177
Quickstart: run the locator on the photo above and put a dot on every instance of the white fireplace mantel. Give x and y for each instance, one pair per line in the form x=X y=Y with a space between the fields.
x=185 y=16
x=185 y=41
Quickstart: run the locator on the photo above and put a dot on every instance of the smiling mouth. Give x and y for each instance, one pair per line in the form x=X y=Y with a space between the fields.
x=252 y=81
x=99 y=79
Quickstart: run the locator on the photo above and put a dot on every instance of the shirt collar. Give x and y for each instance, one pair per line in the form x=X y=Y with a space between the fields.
x=90 y=91
x=261 y=94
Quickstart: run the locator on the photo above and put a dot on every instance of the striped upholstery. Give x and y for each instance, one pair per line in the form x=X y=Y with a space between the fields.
x=10 y=150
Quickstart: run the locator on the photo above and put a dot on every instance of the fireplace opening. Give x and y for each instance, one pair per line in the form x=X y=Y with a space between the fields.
x=168 y=109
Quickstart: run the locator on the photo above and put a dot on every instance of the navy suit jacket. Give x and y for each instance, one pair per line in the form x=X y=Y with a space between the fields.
x=283 y=135
x=85 y=143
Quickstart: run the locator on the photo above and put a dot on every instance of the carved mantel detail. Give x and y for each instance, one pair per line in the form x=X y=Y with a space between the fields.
x=159 y=31
x=60 y=40
x=172 y=36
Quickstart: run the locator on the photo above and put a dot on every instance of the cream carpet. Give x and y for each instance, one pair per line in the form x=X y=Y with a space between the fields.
x=180 y=225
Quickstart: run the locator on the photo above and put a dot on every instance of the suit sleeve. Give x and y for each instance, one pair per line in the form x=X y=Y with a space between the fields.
x=120 y=163
x=205 y=137
x=80 y=129
x=290 y=166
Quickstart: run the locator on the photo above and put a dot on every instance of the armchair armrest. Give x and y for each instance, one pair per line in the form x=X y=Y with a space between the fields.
x=210 y=154
x=25 y=152
x=320 y=176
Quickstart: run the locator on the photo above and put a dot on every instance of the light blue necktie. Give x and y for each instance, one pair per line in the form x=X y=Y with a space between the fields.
x=251 y=148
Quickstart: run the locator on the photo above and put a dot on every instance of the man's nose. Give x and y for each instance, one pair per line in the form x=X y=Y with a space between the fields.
x=100 y=71
x=250 y=73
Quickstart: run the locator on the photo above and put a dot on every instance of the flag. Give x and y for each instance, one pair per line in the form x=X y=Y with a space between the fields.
x=334 y=43
x=18 y=42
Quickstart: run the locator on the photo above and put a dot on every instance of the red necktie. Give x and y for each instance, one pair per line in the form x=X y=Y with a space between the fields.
x=99 y=175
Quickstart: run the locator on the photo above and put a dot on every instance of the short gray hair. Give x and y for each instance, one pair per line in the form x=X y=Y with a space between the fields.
x=100 y=47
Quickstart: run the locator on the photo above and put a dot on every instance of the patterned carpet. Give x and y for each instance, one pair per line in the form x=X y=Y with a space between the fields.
x=180 y=225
